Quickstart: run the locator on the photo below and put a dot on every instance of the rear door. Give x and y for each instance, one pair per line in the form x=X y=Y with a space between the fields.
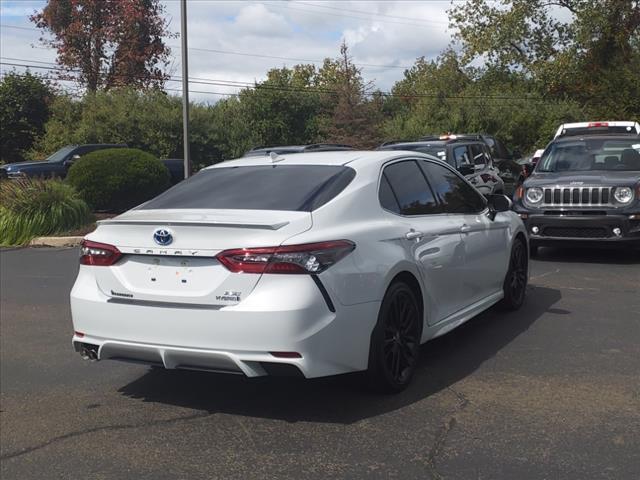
x=432 y=239
x=484 y=241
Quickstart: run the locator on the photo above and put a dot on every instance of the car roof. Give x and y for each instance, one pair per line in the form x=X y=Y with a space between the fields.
x=353 y=158
x=100 y=145
x=601 y=127
x=399 y=145
x=575 y=138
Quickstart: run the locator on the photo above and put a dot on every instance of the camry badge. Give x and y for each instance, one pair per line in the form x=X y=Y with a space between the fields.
x=162 y=237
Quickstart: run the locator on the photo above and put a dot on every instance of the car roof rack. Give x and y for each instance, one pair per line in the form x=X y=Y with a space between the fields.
x=317 y=146
x=394 y=142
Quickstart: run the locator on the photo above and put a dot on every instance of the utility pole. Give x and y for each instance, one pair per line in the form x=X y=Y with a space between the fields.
x=185 y=88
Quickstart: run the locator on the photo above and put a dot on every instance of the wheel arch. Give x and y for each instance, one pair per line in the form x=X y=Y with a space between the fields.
x=411 y=280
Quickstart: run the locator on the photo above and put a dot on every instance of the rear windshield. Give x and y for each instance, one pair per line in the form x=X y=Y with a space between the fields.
x=592 y=154
x=263 y=187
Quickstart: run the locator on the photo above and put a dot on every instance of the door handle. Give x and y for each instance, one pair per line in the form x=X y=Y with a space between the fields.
x=465 y=228
x=413 y=235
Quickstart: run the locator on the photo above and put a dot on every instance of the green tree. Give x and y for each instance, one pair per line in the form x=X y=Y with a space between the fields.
x=108 y=43
x=352 y=113
x=148 y=120
x=593 y=57
x=24 y=109
x=282 y=110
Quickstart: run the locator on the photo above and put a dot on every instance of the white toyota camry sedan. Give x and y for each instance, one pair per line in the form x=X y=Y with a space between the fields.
x=303 y=264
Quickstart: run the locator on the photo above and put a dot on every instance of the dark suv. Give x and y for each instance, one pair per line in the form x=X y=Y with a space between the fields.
x=584 y=189
x=57 y=165
x=470 y=156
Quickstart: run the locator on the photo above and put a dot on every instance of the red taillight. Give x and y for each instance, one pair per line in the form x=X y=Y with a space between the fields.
x=79 y=334
x=292 y=259
x=598 y=124
x=98 y=254
x=286 y=354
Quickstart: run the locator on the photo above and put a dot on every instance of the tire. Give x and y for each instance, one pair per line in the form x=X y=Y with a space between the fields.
x=395 y=341
x=515 y=281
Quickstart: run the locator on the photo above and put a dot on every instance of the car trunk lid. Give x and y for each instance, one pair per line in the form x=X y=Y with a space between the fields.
x=185 y=270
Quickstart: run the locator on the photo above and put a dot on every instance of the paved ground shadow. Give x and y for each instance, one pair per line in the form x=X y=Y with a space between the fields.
x=341 y=399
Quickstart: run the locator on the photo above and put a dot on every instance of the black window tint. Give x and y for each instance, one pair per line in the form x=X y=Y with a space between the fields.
x=410 y=188
x=501 y=151
x=261 y=187
x=477 y=154
x=387 y=197
x=455 y=195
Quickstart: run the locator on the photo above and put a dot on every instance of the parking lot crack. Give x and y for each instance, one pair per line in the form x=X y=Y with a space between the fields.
x=89 y=431
x=443 y=432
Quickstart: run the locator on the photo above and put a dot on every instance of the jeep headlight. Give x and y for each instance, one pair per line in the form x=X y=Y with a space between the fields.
x=623 y=195
x=534 y=195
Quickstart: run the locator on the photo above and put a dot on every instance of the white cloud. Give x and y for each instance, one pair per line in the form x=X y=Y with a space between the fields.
x=388 y=34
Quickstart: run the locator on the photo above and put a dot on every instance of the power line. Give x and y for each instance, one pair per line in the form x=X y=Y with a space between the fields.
x=4 y=74
x=245 y=54
x=288 y=7
x=314 y=90
x=376 y=14
x=255 y=55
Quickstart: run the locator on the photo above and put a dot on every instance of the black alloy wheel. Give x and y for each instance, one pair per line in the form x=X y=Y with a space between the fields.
x=515 y=282
x=395 y=342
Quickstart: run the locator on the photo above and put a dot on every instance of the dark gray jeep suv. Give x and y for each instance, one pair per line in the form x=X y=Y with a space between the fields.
x=584 y=189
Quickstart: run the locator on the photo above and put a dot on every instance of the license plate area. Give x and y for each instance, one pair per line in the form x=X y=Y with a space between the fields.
x=174 y=274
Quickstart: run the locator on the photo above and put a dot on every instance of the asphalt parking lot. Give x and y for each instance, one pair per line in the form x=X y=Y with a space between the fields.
x=551 y=391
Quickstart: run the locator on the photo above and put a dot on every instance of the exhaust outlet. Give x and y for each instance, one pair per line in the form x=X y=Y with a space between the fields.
x=89 y=351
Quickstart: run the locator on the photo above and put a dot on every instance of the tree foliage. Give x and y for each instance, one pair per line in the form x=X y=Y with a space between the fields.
x=24 y=109
x=585 y=50
x=353 y=115
x=31 y=207
x=108 y=43
x=117 y=179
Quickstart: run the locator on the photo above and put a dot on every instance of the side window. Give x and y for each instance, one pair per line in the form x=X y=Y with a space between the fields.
x=501 y=151
x=456 y=195
x=487 y=152
x=478 y=155
x=461 y=156
x=493 y=148
x=387 y=197
x=410 y=189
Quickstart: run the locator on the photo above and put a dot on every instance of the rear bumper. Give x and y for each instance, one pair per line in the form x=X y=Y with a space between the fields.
x=283 y=314
x=601 y=229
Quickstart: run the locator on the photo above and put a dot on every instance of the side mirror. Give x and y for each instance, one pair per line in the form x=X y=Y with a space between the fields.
x=70 y=161
x=498 y=203
x=466 y=169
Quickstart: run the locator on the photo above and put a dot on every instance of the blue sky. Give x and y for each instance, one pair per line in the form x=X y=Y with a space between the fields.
x=383 y=36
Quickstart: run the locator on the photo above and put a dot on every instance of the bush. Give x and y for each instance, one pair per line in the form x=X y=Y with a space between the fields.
x=35 y=207
x=118 y=179
x=24 y=109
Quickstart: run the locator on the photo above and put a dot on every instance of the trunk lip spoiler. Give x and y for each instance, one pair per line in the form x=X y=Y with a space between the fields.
x=192 y=223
